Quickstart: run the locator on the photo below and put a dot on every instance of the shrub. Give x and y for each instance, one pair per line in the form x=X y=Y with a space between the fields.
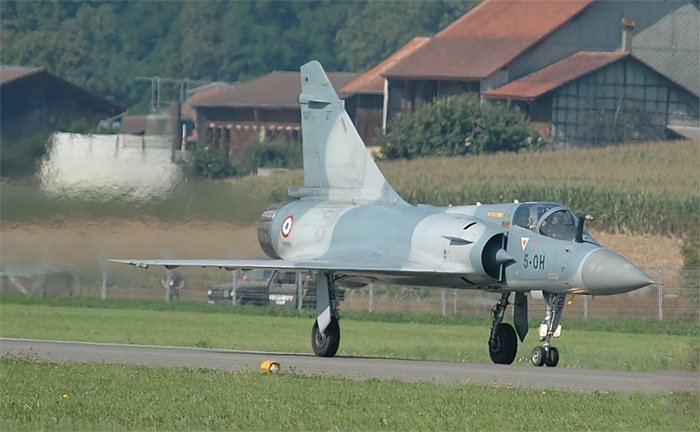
x=20 y=157
x=276 y=153
x=213 y=162
x=458 y=125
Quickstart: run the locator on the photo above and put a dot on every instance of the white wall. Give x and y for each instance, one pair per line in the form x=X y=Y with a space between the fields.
x=109 y=165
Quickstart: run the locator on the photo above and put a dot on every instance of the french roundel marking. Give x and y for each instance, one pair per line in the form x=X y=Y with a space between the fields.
x=287 y=226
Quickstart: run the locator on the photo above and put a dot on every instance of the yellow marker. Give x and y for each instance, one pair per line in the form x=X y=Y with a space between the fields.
x=495 y=214
x=269 y=366
x=571 y=300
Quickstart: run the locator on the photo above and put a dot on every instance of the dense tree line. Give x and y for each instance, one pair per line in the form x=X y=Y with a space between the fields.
x=103 y=46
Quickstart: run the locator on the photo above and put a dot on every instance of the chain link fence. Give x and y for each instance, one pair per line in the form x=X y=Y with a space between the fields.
x=677 y=299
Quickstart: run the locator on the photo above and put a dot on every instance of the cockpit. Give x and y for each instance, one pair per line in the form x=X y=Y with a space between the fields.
x=549 y=219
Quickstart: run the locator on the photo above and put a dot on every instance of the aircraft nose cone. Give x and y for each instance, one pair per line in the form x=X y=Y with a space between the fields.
x=605 y=272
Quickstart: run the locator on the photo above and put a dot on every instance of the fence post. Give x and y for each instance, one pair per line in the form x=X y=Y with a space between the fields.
x=234 y=280
x=661 y=293
x=168 y=279
x=455 y=301
x=105 y=281
x=371 y=298
x=299 y=291
x=443 y=296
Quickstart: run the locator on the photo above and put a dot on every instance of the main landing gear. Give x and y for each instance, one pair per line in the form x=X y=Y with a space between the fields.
x=503 y=343
x=549 y=328
x=325 y=334
x=325 y=344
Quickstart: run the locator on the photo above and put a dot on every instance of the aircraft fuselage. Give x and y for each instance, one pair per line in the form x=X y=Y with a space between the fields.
x=465 y=247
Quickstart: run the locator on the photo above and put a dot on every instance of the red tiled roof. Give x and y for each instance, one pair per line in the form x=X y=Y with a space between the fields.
x=8 y=74
x=487 y=38
x=555 y=75
x=201 y=95
x=529 y=19
x=274 y=90
x=458 y=59
x=372 y=81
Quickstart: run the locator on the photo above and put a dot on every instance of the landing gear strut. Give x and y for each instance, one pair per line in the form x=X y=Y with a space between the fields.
x=325 y=334
x=549 y=328
x=503 y=343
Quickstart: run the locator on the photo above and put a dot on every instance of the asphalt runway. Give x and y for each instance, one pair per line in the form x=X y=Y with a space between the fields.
x=358 y=368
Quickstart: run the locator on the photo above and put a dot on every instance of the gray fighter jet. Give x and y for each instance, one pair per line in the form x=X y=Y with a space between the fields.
x=349 y=227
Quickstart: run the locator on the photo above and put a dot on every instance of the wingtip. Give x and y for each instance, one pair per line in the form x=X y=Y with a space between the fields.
x=130 y=262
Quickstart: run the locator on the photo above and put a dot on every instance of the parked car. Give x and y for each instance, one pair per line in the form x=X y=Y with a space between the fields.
x=265 y=287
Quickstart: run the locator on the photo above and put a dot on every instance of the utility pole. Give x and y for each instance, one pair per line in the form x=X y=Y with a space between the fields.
x=156 y=89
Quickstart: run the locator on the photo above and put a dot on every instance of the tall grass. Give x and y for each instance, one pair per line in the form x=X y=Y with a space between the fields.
x=646 y=188
x=26 y=203
x=652 y=168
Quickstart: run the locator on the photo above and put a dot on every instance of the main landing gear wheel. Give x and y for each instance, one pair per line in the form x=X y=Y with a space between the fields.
x=504 y=345
x=326 y=344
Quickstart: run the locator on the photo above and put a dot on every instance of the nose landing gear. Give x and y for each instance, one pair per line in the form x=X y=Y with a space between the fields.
x=549 y=328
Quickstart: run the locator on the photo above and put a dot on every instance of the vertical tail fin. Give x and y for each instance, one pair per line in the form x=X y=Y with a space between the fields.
x=337 y=165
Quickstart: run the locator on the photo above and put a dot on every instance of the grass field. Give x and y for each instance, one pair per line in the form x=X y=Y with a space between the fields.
x=645 y=188
x=650 y=190
x=624 y=345
x=38 y=395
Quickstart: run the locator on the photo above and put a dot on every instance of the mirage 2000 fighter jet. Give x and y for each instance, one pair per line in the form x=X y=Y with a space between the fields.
x=348 y=226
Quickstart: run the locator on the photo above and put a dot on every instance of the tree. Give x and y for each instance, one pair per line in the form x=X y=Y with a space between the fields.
x=103 y=46
x=377 y=29
x=458 y=125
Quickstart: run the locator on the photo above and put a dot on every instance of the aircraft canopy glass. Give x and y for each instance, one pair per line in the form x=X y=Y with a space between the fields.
x=559 y=225
x=529 y=214
x=549 y=219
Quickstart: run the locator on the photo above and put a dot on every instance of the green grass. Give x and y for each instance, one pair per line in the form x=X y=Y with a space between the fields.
x=258 y=329
x=659 y=168
x=220 y=201
x=672 y=328
x=39 y=395
x=646 y=188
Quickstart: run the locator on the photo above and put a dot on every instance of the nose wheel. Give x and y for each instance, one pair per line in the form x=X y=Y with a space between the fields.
x=549 y=328
x=541 y=356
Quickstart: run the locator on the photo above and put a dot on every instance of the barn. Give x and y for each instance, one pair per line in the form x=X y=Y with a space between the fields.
x=599 y=98
x=648 y=50
x=32 y=99
x=264 y=108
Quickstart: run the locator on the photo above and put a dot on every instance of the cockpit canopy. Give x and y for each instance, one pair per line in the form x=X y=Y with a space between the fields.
x=549 y=219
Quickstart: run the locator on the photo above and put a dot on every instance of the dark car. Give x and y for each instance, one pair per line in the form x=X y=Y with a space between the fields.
x=265 y=287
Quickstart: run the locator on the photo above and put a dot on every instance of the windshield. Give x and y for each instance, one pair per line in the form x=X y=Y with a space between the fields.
x=559 y=225
x=549 y=219
x=528 y=215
